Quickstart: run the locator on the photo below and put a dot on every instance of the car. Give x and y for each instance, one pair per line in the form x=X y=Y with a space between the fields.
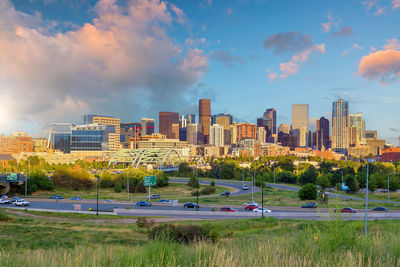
x=245 y=187
x=228 y=209
x=347 y=210
x=21 y=202
x=250 y=203
x=14 y=199
x=56 y=197
x=251 y=207
x=226 y=193
x=3 y=196
x=164 y=201
x=5 y=201
x=143 y=204
x=154 y=196
x=75 y=198
x=262 y=210
x=311 y=205
x=191 y=205
x=380 y=209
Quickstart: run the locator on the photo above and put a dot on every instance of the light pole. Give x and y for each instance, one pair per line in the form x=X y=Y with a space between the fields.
x=127 y=185
x=97 y=208
x=366 y=198
x=29 y=174
x=262 y=194
x=274 y=173
x=388 y=182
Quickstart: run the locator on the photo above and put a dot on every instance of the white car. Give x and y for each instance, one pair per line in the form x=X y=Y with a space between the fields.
x=250 y=203
x=5 y=201
x=21 y=202
x=262 y=210
x=245 y=187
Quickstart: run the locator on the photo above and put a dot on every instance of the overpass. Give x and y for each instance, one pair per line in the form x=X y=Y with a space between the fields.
x=8 y=178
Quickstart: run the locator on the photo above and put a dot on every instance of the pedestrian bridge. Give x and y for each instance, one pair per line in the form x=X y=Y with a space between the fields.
x=163 y=159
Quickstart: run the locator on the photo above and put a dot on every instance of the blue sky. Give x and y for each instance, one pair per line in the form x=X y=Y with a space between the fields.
x=246 y=55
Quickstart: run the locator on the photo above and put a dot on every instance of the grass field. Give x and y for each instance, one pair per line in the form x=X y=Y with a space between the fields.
x=250 y=242
x=172 y=191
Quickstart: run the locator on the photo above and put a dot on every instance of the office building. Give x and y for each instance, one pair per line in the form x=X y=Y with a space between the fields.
x=322 y=134
x=261 y=134
x=356 y=121
x=60 y=137
x=91 y=137
x=340 y=126
x=284 y=128
x=166 y=119
x=114 y=138
x=175 y=130
x=205 y=117
x=300 y=123
x=195 y=133
x=16 y=143
x=131 y=133
x=371 y=134
x=225 y=120
x=270 y=114
x=147 y=126
x=246 y=131
x=217 y=135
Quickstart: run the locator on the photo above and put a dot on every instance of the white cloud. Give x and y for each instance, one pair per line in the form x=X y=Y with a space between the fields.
x=123 y=56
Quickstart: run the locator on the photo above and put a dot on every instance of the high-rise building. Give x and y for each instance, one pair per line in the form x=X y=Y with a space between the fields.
x=217 y=135
x=353 y=136
x=16 y=143
x=356 y=121
x=114 y=138
x=246 y=131
x=166 y=119
x=261 y=134
x=284 y=128
x=175 y=130
x=322 y=134
x=300 y=123
x=205 y=117
x=147 y=126
x=340 y=126
x=91 y=137
x=131 y=133
x=225 y=120
x=194 y=133
x=270 y=114
x=371 y=134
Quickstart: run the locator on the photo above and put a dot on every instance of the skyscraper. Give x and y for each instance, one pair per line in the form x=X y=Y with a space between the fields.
x=270 y=114
x=205 y=117
x=130 y=132
x=147 y=126
x=194 y=133
x=322 y=134
x=356 y=121
x=225 y=120
x=166 y=119
x=114 y=138
x=300 y=123
x=261 y=134
x=217 y=135
x=340 y=126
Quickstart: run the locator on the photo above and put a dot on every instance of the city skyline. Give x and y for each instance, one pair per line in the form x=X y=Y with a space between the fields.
x=287 y=53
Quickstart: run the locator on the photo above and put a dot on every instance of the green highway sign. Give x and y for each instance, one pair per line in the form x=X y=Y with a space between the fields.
x=12 y=177
x=150 y=180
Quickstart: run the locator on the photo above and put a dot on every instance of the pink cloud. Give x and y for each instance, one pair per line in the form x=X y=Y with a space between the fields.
x=395 y=4
x=327 y=26
x=379 y=11
x=383 y=66
x=229 y=11
x=392 y=44
x=272 y=77
x=369 y=4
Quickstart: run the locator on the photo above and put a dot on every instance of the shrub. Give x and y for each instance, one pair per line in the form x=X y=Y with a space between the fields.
x=207 y=190
x=323 y=181
x=106 y=180
x=309 y=176
x=212 y=183
x=183 y=233
x=140 y=188
x=308 y=192
x=142 y=222
x=194 y=193
x=42 y=181
x=193 y=182
x=117 y=188
x=352 y=183
x=287 y=177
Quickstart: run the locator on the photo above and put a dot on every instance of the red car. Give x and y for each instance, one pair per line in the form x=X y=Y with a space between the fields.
x=228 y=209
x=347 y=210
x=250 y=207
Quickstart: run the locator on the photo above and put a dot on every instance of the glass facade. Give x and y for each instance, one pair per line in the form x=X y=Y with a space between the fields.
x=91 y=139
x=62 y=141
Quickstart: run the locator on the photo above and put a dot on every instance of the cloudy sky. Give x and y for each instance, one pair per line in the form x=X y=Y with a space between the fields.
x=60 y=59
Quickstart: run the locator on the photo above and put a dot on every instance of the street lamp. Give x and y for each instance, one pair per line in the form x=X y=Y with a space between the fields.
x=97 y=208
x=366 y=198
x=388 y=182
x=197 y=194
x=252 y=186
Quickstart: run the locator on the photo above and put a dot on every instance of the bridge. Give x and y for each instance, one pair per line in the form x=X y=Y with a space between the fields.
x=7 y=178
x=164 y=159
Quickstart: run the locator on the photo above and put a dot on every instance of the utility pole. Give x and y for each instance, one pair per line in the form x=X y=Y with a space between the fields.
x=127 y=185
x=388 y=182
x=274 y=173
x=262 y=194
x=29 y=174
x=366 y=198
x=97 y=205
x=252 y=188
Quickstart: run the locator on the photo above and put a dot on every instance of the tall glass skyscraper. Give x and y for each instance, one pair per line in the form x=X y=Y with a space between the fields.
x=340 y=126
x=300 y=123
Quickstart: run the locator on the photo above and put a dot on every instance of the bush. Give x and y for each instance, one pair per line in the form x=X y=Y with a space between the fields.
x=42 y=181
x=193 y=182
x=140 y=188
x=323 y=181
x=212 y=183
x=309 y=176
x=207 y=190
x=287 y=178
x=142 y=222
x=117 y=188
x=352 y=183
x=308 y=192
x=183 y=233
x=106 y=180
x=194 y=193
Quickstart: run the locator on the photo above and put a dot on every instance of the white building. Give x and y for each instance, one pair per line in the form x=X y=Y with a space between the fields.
x=217 y=135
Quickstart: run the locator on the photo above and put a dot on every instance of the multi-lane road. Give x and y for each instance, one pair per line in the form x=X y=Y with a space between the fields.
x=206 y=211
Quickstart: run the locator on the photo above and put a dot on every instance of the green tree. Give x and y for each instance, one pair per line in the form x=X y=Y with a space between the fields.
x=42 y=181
x=193 y=182
x=308 y=192
x=352 y=183
x=117 y=188
x=323 y=181
x=309 y=176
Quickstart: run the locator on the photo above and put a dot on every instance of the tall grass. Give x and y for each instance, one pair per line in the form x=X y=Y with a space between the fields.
x=244 y=243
